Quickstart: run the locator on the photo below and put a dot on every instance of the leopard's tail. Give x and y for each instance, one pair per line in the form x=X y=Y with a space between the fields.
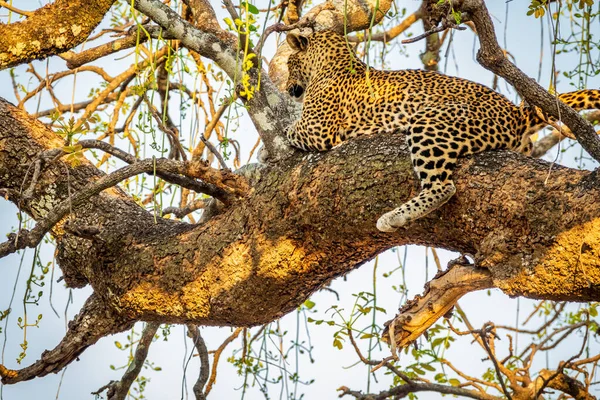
x=535 y=118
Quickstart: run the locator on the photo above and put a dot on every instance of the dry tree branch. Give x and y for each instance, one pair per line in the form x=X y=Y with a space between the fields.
x=186 y=182
x=444 y=26
x=216 y=357
x=441 y=294
x=542 y=146
x=488 y=328
x=391 y=33
x=200 y=346
x=135 y=36
x=15 y=9
x=415 y=387
x=118 y=390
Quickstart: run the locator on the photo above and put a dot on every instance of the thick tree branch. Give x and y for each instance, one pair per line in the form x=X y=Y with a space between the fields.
x=52 y=29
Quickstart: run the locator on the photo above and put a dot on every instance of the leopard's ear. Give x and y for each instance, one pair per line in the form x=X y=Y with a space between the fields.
x=297 y=42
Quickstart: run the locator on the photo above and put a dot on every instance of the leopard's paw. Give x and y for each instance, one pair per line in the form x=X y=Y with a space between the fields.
x=391 y=221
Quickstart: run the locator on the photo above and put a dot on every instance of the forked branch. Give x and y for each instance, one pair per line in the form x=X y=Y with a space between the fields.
x=93 y=322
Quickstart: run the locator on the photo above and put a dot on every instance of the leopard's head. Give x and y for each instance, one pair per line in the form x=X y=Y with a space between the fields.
x=299 y=66
x=323 y=52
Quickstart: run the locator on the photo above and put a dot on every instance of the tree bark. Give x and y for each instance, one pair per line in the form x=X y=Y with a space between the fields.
x=52 y=29
x=308 y=220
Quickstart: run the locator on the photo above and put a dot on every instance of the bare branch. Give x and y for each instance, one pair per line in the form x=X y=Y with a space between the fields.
x=196 y=168
x=194 y=333
x=392 y=33
x=135 y=36
x=120 y=389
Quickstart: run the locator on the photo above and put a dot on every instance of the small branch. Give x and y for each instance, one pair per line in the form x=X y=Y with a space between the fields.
x=197 y=152
x=216 y=357
x=194 y=333
x=306 y=21
x=385 y=363
x=168 y=128
x=443 y=27
x=15 y=9
x=198 y=169
x=189 y=183
x=392 y=33
x=487 y=328
x=542 y=146
x=131 y=39
x=119 y=390
x=399 y=392
x=182 y=212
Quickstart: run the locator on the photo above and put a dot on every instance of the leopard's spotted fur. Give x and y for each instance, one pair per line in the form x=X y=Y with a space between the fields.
x=444 y=117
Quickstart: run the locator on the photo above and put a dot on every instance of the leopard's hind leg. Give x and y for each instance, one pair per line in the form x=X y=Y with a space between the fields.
x=436 y=137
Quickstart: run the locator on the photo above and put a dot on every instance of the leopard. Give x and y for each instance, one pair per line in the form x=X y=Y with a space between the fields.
x=443 y=117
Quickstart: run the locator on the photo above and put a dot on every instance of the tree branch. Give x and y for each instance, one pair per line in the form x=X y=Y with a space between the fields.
x=441 y=294
x=52 y=29
x=93 y=322
x=119 y=390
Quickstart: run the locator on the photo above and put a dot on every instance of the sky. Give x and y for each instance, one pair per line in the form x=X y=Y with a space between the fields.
x=332 y=367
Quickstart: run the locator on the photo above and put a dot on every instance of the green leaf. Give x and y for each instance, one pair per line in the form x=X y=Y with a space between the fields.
x=250 y=7
x=454 y=382
x=309 y=304
x=428 y=367
x=338 y=343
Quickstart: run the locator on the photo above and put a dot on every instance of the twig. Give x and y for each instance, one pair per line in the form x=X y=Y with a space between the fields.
x=213 y=372
x=15 y=10
x=197 y=152
x=487 y=328
x=385 y=362
x=390 y=34
x=200 y=345
x=430 y=32
x=182 y=212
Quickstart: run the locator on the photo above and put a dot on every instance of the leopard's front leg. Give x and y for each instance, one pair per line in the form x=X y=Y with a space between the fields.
x=311 y=136
x=297 y=136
